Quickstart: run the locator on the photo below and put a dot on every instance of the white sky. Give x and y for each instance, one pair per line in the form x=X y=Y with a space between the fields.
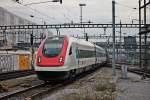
x=97 y=11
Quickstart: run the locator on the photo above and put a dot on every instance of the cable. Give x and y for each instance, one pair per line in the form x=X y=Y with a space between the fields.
x=38 y=2
x=123 y=5
x=68 y=11
x=62 y=13
x=43 y=14
x=29 y=15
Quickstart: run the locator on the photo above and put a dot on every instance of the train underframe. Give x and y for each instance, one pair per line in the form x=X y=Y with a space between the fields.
x=63 y=75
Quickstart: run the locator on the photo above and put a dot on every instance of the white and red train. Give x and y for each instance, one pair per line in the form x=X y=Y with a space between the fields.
x=64 y=57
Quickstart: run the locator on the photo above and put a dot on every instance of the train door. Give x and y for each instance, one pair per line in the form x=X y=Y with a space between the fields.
x=73 y=56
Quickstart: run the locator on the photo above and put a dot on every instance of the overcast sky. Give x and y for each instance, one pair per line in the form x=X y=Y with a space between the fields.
x=97 y=11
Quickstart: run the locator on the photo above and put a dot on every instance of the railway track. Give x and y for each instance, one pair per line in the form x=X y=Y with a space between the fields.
x=34 y=92
x=137 y=71
x=15 y=94
x=140 y=72
x=15 y=74
x=40 y=91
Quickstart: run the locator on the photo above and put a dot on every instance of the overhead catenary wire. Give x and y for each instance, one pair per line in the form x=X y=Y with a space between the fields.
x=63 y=14
x=29 y=15
x=127 y=6
x=43 y=14
x=69 y=13
x=39 y=2
x=33 y=10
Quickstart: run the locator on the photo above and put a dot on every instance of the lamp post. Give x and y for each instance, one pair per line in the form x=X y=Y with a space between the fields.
x=81 y=17
x=81 y=5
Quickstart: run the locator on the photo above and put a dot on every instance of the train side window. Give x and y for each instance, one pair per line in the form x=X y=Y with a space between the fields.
x=70 y=51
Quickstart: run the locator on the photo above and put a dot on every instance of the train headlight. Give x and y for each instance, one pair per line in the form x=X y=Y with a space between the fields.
x=39 y=59
x=61 y=59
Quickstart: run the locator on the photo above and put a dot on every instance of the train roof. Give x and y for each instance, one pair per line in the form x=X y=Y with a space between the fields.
x=73 y=39
x=79 y=41
x=56 y=36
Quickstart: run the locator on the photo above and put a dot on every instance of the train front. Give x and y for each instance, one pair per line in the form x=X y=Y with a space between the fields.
x=50 y=59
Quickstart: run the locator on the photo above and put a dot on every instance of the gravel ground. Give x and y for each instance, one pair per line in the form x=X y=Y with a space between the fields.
x=102 y=86
x=133 y=88
x=99 y=85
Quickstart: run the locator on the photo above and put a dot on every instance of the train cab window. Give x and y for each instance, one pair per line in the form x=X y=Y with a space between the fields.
x=52 y=47
x=70 y=50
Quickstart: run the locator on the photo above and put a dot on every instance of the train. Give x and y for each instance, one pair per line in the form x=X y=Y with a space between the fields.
x=64 y=57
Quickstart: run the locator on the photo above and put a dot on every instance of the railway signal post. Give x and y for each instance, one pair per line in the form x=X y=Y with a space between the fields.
x=32 y=49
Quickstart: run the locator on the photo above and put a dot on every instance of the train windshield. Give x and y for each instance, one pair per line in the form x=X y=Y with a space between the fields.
x=53 y=46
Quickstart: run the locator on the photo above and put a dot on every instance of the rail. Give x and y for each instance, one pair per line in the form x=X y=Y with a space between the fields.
x=145 y=73
x=14 y=93
x=41 y=93
x=61 y=85
x=15 y=74
x=42 y=89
